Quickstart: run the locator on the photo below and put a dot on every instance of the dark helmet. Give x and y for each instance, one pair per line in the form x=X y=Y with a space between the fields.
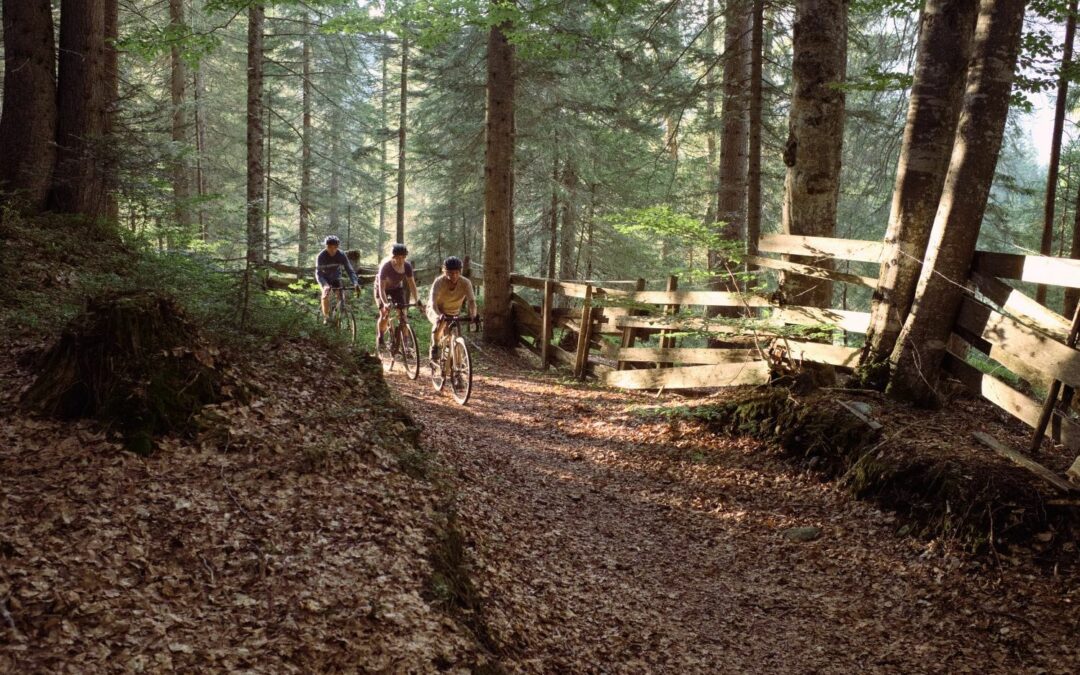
x=332 y=239
x=399 y=249
x=452 y=263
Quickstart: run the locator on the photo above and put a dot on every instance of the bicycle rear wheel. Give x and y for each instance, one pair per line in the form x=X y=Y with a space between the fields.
x=460 y=371
x=410 y=352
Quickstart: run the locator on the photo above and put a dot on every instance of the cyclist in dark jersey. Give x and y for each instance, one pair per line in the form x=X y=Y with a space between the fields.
x=394 y=283
x=328 y=266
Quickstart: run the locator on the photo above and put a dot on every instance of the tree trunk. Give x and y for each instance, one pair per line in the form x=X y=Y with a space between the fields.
x=937 y=94
x=177 y=81
x=815 y=136
x=255 y=176
x=80 y=180
x=335 y=170
x=920 y=347
x=269 y=175
x=1047 y=242
x=735 y=123
x=305 y=154
x=569 y=221
x=384 y=175
x=498 y=166
x=402 y=128
x=200 y=148
x=753 y=179
x=28 y=130
x=710 y=112
x=1072 y=295
x=553 y=229
x=112 y=95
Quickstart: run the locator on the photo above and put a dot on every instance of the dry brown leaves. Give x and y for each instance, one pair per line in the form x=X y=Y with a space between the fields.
x=606 y=543
x=285 y=538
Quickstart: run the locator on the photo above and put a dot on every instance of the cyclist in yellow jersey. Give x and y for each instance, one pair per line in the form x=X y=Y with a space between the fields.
x=448 y=293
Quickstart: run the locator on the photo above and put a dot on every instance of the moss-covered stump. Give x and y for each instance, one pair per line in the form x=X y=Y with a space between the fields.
x=971 y=499
x=133 y=362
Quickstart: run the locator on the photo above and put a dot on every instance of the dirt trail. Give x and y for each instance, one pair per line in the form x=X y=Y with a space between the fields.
x=605 y=543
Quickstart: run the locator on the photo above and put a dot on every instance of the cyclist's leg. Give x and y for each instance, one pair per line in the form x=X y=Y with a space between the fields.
x=324 y=301
x=436 y=333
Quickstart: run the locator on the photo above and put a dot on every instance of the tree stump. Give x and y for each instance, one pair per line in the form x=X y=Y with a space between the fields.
x=133 y=362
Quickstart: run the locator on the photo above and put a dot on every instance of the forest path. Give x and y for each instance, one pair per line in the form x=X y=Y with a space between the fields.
x=604 y=542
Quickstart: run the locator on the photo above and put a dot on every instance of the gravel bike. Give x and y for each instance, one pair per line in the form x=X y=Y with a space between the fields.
x=454 y=363
x=398 y=342
x=342 y=316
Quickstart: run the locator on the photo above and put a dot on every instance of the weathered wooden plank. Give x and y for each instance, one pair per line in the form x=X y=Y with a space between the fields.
x=811 y=271
x=545 y=321
x=1022 y=461
x=1062 y=430
x=695 y=356
x=524 y=312
x=961 y=341
x=703 y=325
x=691 y=377
x=1022 y=306
x=628 y=334
x=1037 y=269
x=1034 y=347
x=583 y=334
x=853 y=322
x=528 y=282
x=707 y=298
x=817 y=352
x=823 y=247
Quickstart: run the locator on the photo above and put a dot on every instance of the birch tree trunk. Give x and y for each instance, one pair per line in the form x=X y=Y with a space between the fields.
x=256 y=179
x=916 y=360
x=177 y=81
x=815 y=137
x=498 y=204
x=28 y=130
x=945 y=36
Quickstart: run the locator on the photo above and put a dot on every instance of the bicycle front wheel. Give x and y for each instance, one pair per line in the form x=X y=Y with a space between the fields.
x=410 y=352
x=385 y=349
x=460 y=371
x=348 y=324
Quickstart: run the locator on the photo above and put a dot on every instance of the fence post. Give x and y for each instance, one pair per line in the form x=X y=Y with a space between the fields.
x=665 y=341
x=629 y=334
x=584 y=334
x=545 y=325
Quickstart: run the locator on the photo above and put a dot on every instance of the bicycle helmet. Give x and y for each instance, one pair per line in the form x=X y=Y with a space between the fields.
x=399 y=249
x=452 y=263
x=332 y=239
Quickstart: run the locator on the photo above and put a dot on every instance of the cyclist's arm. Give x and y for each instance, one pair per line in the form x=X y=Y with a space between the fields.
x=432 y=304
x=320 y=278
x=470 y=299
x=412 y=286
x=380 y=296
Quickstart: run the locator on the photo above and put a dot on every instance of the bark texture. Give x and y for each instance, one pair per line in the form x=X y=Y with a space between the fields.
x=498 y=204
x=305 y=155
x=735 y=130
x=402 y=129
x=256 y=178
x=815 y=136
x=920 y=347
x=177 y=85
x=85 y=93
x=753 y=174
x=27 y=130
x=946 y=31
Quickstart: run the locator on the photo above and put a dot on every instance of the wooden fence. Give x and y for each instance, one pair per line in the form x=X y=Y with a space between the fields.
x=996 y=320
